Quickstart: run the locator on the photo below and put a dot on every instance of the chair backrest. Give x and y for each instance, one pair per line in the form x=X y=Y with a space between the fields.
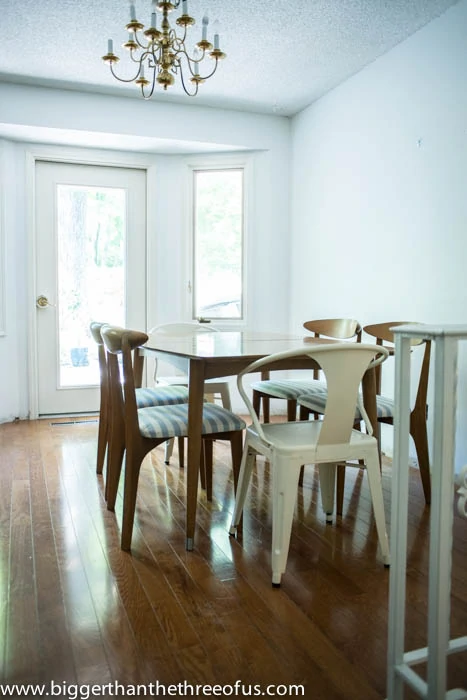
x=183 y=329
x=335 y=328
x=383 y=334
x=123 y=342
x=344 y=365
x=95 y=328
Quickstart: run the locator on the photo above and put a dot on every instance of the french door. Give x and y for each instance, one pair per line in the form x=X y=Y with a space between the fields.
x=90 y=266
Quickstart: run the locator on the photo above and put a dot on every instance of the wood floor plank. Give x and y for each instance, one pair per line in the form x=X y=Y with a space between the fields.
x=78 y=609
x=22 y=657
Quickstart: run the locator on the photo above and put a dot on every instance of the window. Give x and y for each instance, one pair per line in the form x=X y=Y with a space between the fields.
x=218 y=223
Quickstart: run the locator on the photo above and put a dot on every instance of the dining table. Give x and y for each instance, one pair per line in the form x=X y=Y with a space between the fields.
x=224 y=353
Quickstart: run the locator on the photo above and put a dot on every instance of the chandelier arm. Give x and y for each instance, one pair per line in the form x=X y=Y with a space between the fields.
x=124 y=80
x=135 y=60
x=209 y=75
x=151 y=92
x=142 y=46
x=189 y=61
x=175 y=38
x=190 y=94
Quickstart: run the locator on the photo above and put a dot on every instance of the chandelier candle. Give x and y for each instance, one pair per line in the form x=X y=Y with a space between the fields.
x=160 y=55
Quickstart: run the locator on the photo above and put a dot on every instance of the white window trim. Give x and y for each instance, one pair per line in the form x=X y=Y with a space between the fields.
x=218 y=162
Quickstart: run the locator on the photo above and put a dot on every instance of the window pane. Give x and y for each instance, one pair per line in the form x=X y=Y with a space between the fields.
x=218 y=243
x=91 y=277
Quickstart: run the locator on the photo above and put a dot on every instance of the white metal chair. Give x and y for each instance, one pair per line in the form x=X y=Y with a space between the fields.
x=290 y=444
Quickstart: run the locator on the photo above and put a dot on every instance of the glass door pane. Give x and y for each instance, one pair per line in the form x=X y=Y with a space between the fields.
x=91 y=226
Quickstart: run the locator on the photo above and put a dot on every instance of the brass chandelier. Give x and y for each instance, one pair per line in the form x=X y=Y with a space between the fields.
x=160 y=55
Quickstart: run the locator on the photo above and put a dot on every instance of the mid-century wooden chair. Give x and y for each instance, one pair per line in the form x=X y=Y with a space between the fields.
x=326 y=442
x=419 y=413
x=145 y=396
x=385 y=405
x=289 y=389
x=145 y=428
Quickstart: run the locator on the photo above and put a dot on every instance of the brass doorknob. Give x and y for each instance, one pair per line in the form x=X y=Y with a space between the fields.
x=42 y=302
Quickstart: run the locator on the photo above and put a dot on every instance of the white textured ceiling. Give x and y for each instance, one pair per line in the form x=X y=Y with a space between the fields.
x=281 y=56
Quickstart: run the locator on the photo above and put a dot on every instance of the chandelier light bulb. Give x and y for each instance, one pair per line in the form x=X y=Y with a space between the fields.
x=216 y=29
x=205 y=28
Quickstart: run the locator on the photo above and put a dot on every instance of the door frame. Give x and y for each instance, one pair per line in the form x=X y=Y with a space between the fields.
x=76 y=156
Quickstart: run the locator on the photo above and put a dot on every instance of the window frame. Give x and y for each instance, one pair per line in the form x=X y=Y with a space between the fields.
x=209 y=165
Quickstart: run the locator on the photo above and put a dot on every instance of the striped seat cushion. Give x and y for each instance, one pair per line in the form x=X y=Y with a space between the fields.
x=161 y=396
x=288 y=388
x=172 y=421
x=317 y=403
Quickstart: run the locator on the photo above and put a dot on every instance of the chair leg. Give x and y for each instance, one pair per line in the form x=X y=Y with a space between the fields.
x=225 y=397
x=102 y=439
x=132 y=469
x=304 y=414
x=327 y=484
x=256 y=402
x=419 y=435
x=169 y=448
x=202 y=466
x=207 y=467
x=266 y=409
x=236 y=449
x=246 y=467
x=114 y=468
x=181 y=452
x=340 y=485
x=291 y=410
x=302 y=473
x=284 y=495
x=376 y=491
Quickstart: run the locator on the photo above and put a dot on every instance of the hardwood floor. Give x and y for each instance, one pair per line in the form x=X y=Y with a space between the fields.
x=74 y=608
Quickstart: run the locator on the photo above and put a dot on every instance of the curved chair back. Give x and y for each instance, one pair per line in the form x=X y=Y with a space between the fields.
x=184 y=328
x=418 y=429
x=344 y=365
x=95 y=328
x=338 y=328
x=119 y=341
x=383 y=334
x=335 y=328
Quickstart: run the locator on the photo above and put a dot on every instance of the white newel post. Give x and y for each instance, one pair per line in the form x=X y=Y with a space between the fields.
x=400 y=672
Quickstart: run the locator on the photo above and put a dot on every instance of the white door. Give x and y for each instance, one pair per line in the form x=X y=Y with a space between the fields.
x=90 y=266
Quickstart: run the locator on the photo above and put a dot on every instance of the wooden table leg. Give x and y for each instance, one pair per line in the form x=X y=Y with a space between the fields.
x=195 y=418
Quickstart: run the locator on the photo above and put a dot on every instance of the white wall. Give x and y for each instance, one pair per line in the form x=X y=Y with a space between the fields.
x=379 y=199
x=267 y=275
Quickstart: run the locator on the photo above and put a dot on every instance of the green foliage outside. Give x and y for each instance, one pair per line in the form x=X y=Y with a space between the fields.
x=218 y=237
